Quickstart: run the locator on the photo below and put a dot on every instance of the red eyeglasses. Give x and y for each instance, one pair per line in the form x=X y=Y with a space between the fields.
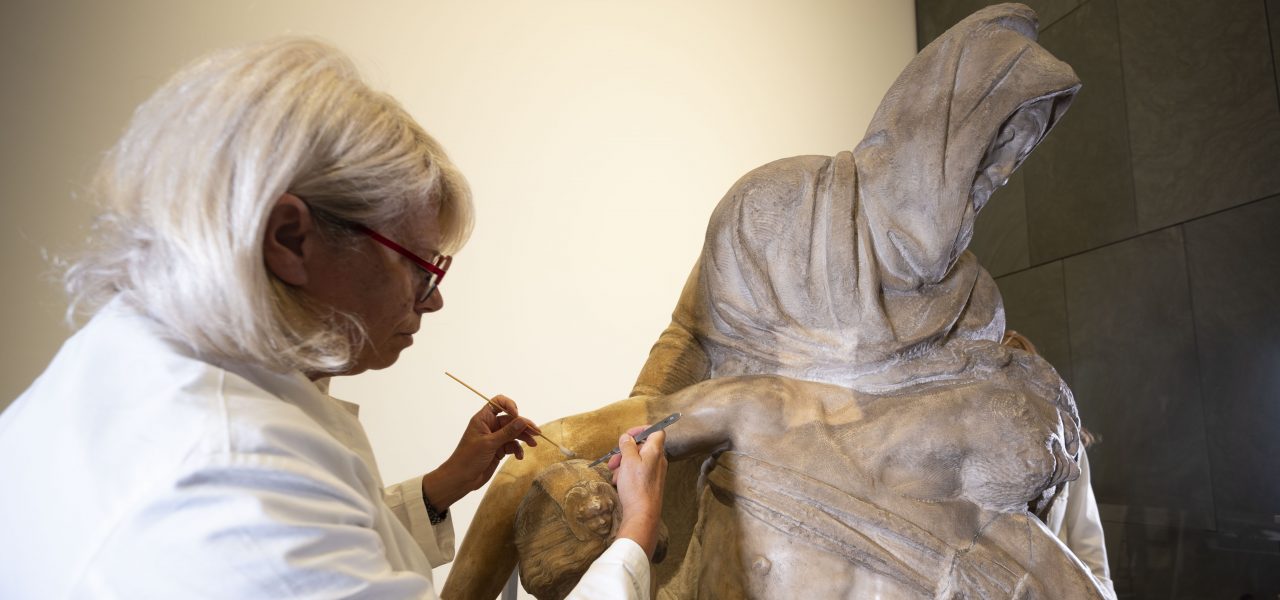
x=433 y=271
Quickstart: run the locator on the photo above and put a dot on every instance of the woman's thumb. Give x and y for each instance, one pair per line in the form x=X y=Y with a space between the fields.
x=627 y=445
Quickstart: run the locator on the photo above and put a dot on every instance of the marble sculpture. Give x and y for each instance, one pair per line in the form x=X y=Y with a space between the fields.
x=852 y=425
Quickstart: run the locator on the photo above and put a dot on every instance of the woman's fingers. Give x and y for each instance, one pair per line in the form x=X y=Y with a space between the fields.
x=527 y=437
x=508 y=405
x=616 y=460
x=653 y=447
x=640 y=477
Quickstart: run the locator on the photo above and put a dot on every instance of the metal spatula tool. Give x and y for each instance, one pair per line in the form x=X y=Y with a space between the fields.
x=644 y=435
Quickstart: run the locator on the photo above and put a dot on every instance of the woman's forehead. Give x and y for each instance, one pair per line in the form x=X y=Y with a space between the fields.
x=420 y=231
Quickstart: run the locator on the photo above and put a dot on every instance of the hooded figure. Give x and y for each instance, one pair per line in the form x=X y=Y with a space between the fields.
x=852 y=271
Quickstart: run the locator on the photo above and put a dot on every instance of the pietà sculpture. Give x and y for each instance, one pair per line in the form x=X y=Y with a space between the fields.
x=852 y=425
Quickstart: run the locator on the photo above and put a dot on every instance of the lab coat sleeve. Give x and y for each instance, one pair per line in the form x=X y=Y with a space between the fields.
x=252 y=526
x=1082 y=529
x=406 y=502
x=621 y=572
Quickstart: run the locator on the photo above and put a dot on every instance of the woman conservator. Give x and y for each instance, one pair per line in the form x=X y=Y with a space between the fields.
x=269 y=221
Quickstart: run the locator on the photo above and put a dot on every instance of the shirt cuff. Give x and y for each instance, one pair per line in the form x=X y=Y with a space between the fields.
x=436 y=541
x=621 y=572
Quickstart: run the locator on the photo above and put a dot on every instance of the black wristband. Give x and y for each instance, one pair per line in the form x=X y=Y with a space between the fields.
x=434 y=515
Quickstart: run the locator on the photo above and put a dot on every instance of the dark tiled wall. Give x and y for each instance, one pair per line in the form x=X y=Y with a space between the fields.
x=1079 y=188
x=1139 y=248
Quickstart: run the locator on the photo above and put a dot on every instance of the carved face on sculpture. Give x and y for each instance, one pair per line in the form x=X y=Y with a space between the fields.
x=983 y=85
x=790 y=284
x=567 y=520
x=1000 y=480
x=1016 y=139
x=589 y=505
x=997 y=437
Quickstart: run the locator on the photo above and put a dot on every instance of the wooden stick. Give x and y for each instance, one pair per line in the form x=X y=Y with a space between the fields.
x=563 y=450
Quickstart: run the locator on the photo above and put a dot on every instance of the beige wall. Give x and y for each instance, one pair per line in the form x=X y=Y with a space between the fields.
x=597 y=134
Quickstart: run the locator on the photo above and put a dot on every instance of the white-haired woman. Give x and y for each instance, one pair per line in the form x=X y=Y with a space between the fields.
x=269 y=222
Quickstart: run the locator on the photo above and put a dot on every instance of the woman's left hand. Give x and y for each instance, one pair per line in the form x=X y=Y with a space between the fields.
x=488 y=438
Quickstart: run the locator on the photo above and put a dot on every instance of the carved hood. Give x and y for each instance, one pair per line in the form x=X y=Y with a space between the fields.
x=852 y=269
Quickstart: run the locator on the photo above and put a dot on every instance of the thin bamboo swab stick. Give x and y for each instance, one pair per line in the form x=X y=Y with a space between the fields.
x=563 y=450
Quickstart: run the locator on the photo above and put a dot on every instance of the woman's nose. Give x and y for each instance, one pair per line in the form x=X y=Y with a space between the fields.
x=433 y=302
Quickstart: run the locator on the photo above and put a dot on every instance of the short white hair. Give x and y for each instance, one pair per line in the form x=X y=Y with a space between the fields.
x=186 y=192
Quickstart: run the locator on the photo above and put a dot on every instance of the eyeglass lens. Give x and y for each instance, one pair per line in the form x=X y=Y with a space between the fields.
x=432 y=280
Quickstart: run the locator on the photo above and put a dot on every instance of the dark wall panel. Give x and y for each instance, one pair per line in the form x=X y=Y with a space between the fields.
x=1169 y=560
x=1134 y=370
x=1203 y=114
x=1273 y=20
x=1035 y=305
x=1234 y=260
x=1078 y=186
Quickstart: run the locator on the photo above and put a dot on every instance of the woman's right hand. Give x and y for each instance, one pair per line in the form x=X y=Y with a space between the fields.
x=640 y=474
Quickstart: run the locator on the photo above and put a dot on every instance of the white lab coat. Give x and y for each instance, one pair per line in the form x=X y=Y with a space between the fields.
x=133 y=469
x=1074 y=518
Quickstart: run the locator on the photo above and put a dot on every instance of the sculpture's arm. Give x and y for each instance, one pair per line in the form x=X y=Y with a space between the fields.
x=737 y=412
x=742 y=413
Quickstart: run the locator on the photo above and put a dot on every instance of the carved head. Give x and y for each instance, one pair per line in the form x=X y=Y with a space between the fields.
x=1003 y=435
x=960 y=118
x=567 y=519
x=832 y=268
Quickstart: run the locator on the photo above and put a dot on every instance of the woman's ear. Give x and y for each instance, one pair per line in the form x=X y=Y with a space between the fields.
x=285 y=243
